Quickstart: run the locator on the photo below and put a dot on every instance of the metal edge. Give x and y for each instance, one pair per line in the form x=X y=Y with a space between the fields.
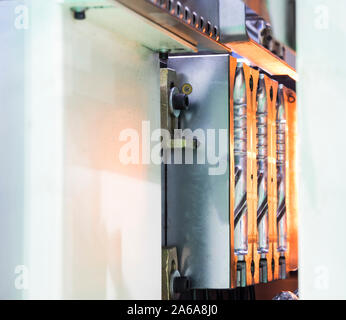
x=263 y=58
x=175 y=24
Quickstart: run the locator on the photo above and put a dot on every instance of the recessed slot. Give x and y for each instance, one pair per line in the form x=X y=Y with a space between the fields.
x=216 y=33
x=208 y=29
x=170 y=6
x=201 y=24
x=194 y=19
x=179 y=10
x=187 y=15
x=163 y=3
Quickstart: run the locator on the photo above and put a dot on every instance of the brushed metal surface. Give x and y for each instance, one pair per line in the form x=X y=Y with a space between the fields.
x=198 y=203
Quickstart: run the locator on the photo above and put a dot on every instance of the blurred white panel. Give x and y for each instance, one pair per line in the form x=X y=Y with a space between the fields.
x=321 y=117
x=12 y=97
x=44 y=149
x=119 y=19
x=112 y=211
x=90 y=226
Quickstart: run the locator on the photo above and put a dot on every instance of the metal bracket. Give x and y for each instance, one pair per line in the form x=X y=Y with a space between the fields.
x=169 y=270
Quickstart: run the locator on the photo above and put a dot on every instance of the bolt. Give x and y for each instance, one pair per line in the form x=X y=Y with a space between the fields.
x=79 y=13
x=180 y=101
x=181 y=284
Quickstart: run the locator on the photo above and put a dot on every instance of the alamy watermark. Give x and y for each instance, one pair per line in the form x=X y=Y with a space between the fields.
x=200 y=146
x=321 y=21
x=21 y=21
x=21 y=281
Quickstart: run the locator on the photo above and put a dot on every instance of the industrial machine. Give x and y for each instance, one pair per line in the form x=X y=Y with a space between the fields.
x=236 y=227
x=151 y=149
x=228 y=124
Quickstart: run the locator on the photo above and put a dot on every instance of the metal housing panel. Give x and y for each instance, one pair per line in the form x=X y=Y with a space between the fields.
x=198 y=214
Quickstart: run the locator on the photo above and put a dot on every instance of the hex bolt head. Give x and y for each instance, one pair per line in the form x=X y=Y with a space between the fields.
x=177 y=101
x=79 y=13
x=263 y=270
x=282 y=268
x=180 y=101
x=181 y=284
